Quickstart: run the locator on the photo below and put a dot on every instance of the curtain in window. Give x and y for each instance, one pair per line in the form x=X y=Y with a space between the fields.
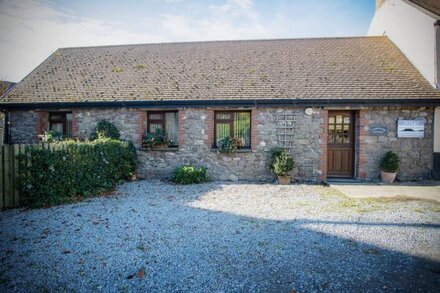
x=242 y=128
x=69 y=125
x=171 y=126
x=57 y=127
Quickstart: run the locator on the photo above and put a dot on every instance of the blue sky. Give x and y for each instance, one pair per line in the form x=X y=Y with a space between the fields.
x=30 y=30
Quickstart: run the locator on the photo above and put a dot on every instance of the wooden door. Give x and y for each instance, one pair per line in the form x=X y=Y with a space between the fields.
x=340 y=145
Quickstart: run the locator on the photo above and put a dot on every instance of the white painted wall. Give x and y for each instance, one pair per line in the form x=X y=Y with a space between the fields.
x=412 y=31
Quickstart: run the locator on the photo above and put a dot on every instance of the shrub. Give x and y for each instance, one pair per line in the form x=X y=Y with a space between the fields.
x=73 y=169
x=282 y=162
x=390 y=162
x=228 y=145
x=189 y=175
x=51 y=136
x=105 y=128
x=158 y=137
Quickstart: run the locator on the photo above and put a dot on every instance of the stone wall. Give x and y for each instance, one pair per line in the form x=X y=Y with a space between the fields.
x=416 y=154
x=271 y=128
x=304 y=136
x=24 y=126
x=128 y=121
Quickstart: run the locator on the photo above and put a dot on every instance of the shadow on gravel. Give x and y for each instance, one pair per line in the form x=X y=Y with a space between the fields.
x=184 y=248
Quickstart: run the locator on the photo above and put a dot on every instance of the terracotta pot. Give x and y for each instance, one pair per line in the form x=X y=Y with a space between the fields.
x=387 y=177
x=284 y=180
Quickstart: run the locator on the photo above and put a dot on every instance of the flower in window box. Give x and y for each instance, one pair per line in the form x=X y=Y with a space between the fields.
x=156 y=139
x=228 y=145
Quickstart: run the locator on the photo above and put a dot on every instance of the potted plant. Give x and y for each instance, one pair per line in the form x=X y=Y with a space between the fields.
x=156 y=140
x=51 y=136
x=281 y=164
x=228 y=145
x=389 y=166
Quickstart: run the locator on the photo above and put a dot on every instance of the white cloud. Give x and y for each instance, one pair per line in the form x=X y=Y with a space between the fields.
x=30 y=30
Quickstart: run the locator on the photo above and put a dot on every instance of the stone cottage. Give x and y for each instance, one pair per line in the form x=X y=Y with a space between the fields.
x=336 y=104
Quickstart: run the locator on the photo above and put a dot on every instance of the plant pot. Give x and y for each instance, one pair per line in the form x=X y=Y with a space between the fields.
x=284 y=180
x=161 y=146
x=387 y=177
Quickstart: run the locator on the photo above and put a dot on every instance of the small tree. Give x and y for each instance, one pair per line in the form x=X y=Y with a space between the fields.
x=105 y=128
x=390 y=162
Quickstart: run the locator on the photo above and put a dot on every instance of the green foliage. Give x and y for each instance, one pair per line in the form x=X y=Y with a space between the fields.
x=158 y=137
x=189 y=175
x=72 y=170
x=117 y=69
x=281 y=163
x=103 y=129
x=228 y=145
x=139 y=66
x=390 y=162
x=51 y=136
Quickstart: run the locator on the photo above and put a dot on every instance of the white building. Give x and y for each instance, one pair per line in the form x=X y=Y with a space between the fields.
x=414 y=27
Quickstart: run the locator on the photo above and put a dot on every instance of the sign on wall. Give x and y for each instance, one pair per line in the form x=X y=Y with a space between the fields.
x=377 y=130
x=411 y=128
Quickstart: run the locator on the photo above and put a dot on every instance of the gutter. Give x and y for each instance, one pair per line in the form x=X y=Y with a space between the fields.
x=228 y=103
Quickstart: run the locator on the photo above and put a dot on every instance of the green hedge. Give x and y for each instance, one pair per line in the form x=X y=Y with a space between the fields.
x=73 y=169
x=189 y=175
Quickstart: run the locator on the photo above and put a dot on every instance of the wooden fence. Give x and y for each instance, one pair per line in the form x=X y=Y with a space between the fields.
x=9 y=190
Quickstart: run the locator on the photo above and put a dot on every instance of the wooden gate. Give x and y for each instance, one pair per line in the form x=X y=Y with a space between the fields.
x=9 y=196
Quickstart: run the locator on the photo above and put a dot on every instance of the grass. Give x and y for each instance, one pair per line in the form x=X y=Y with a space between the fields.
x=343 y=203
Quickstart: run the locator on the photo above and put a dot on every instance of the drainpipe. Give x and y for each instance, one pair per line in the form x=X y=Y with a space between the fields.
x=437 y=53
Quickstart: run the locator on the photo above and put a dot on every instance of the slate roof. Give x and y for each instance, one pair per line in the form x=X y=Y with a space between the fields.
x=432 y=6
x=5 y=86
x=320 y=68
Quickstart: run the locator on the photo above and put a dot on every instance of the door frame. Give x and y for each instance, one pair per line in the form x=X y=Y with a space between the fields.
x=354 y=142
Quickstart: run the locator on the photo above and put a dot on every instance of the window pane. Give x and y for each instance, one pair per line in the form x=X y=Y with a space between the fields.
x=339 y=119
x=242 y=129
x=223 y=116
x=153 y=127
x=156 y=116
x=57 y=127
x=222 y=130
x=56 y=116
x=69 y=124
x=171 y=126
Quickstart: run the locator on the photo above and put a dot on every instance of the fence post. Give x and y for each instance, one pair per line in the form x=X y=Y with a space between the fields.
x=2 y=185
x=9 y=177
x=17 y=151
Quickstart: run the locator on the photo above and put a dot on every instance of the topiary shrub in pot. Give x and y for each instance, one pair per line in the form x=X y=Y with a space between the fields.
x=281 y=164
x=104 y=129
x=389 y=166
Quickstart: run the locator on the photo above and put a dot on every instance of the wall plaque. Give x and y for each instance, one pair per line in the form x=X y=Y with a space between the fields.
x=411 y=128
x=377 y=130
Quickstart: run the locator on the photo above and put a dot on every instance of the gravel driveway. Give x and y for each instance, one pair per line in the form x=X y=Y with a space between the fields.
x=153 y=236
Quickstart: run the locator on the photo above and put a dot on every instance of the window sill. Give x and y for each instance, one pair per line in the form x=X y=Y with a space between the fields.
x=239 y=151
x=169 y=149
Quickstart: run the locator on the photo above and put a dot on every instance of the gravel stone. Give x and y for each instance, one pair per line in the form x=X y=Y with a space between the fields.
x=153 y=236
